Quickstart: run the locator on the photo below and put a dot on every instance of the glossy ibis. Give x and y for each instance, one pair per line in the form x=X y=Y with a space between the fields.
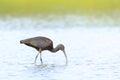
x=42 y=43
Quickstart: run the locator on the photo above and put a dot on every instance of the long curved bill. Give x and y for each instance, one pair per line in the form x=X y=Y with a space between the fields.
x=65 y=56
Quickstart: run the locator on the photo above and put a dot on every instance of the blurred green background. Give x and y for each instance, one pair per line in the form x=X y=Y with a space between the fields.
x=25 y=7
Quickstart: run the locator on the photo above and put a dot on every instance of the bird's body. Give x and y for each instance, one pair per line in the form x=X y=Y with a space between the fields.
x=42 y=43
x=39 y=42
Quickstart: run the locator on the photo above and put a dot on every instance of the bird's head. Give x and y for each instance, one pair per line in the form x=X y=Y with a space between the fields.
x=62 y=48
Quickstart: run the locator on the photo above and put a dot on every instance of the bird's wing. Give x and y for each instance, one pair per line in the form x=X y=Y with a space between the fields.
x=34 y=43
x=40 y=43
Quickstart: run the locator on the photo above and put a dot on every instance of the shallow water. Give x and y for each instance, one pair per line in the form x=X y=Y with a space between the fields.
x=42 y=22
x=93 y=54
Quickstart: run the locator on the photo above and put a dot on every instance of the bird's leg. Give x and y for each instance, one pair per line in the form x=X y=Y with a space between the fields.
x=40 y=56
x=36 y=58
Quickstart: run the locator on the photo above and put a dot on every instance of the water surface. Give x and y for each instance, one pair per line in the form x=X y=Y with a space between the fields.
x=91 y=46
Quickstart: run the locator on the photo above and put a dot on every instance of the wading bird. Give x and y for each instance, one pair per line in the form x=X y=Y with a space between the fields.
x=42 y=43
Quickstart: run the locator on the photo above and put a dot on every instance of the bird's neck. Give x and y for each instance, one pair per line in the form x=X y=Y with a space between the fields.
x=55 y=49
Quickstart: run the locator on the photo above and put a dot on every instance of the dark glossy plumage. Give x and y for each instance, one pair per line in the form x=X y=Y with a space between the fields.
x=42 y=43
x=39 y=42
